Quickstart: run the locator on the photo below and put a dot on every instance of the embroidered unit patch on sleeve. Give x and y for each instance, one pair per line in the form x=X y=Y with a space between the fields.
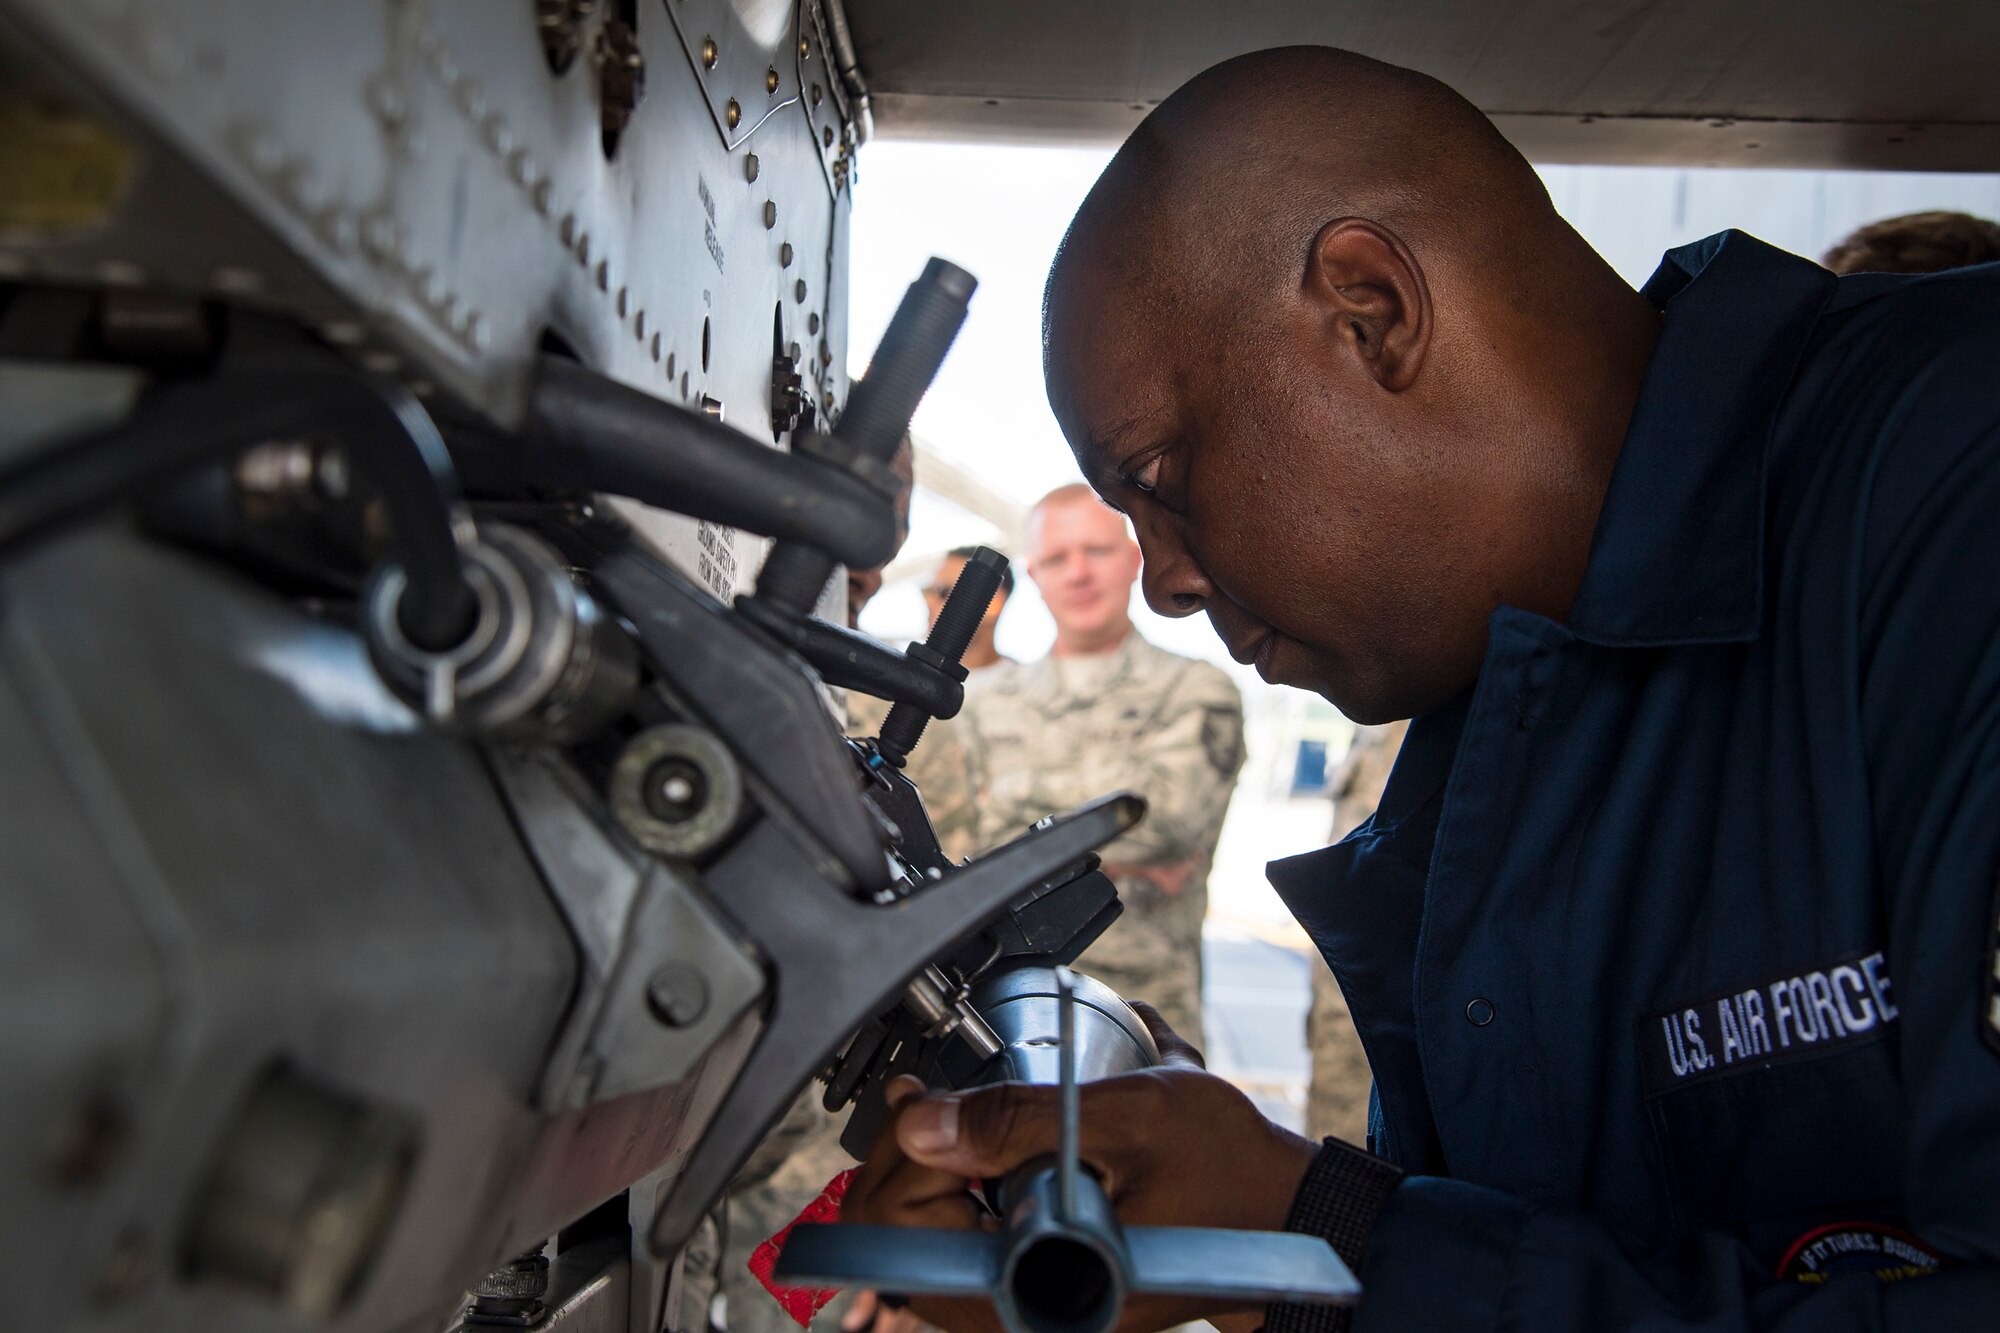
x=1857 y=1247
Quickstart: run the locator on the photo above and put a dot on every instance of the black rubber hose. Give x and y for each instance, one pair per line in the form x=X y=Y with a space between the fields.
x=386 y=433
x=853 y=661
x=878 y=412
x=958 y=620
x=588 y=432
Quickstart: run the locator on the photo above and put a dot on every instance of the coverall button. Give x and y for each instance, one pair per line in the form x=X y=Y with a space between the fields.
x=1479 y=1011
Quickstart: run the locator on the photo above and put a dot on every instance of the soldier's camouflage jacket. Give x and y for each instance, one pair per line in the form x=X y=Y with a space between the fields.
x=1047 y=736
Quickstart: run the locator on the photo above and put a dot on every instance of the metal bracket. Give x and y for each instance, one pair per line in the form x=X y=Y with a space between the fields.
x=632 y=917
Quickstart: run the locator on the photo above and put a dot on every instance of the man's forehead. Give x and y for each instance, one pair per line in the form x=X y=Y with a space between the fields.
x=1074 y=520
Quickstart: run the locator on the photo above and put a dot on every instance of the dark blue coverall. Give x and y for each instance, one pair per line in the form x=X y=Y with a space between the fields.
x=1672 y=945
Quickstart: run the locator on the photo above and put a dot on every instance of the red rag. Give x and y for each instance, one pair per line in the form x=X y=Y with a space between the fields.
x=801 y=1303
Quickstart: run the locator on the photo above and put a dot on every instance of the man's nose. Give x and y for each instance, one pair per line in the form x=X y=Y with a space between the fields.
x=1174 y=583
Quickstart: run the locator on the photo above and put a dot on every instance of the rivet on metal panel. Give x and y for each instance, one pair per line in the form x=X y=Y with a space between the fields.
x=566 y=229
x=812 y=322
x=670 y=365
x=732 y=113
x=379 y=239
x=825 y=353
x=684 y=386
x=656 y=346
x=799 y=291
x=339 y=230
x=478 y=336
x=639 y=326
x=301 y=188
x=708 y=53
x=816 y=94
x=260 y=149
x=498 y=137
x=785 y=255
x=826 y=136
x=624 y=300
x=386 y=100
x=540 y=195
x=805 y=49
x=677 y=994
x=428 y=289
x=770 y=214
x=583 y=248
x=603 y=275
x=771 y=82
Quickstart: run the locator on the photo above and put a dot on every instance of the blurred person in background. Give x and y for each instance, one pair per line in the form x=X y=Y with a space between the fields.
x=1337 y=1097
x=1917 y=243
x=1107 y=711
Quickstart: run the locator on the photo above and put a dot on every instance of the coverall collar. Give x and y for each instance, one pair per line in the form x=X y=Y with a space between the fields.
x=1678 y=554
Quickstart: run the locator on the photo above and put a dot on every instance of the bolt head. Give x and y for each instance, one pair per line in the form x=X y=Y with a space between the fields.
x=677 y=995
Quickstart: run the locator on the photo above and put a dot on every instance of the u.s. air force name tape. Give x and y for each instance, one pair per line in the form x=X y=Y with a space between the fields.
x=1795 y=1016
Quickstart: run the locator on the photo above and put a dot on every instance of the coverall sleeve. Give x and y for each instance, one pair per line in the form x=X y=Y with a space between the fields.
x=1449 y=1255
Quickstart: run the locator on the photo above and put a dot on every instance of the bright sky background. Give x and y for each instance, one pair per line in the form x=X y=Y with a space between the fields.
x=1001 y=212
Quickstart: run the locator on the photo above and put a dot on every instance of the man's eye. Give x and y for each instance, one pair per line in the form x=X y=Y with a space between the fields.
x=1146 y=479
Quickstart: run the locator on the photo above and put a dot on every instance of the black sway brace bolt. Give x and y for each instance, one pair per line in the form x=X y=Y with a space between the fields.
x=957 y=622
x=878 y=412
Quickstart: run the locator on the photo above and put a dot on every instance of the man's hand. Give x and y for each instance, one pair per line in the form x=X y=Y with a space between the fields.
x=1172 y=1145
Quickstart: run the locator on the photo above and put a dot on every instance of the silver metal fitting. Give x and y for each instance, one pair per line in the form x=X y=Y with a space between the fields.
x=541 y=661
x=677 y=791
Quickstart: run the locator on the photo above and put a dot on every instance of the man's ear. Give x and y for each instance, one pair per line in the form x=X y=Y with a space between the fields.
x=1373 y=297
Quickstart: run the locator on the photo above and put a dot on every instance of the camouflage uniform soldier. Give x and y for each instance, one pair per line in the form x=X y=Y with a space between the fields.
x=1106 y=711
x=1337 y=1103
